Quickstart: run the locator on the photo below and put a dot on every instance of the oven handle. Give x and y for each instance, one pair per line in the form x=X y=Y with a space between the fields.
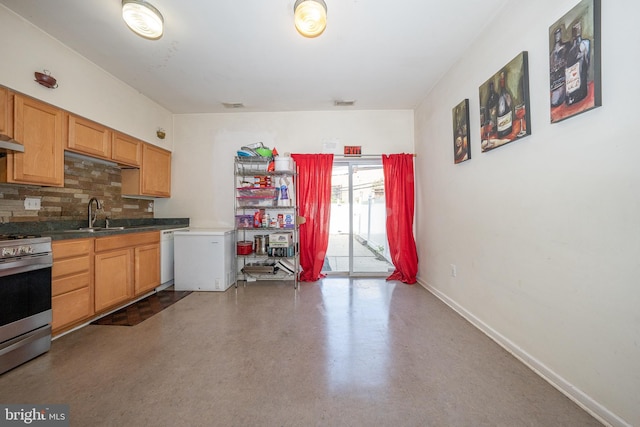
x=24 y=264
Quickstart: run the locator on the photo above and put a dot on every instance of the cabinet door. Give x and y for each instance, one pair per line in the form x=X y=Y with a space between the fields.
x=6 y=113
x=156 y=171
x=113 y=278
x=126 y=150
x=147 y=268
x=88 y=137
x=39 y=127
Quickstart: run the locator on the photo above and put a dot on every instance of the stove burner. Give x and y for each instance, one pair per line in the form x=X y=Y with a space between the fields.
x=18 y=236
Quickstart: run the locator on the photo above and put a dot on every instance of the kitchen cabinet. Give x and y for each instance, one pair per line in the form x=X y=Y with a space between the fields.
x=147 y=268
x=266 y=221
x=40 y=128
x=126 y=265
x=72 y=283
x=125 y=149
x=153 y=178
x=87 y=137
x=6 y=113
x=96 y=140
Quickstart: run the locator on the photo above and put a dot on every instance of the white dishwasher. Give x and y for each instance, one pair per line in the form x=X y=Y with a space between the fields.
x=166 y=256
x=204 y=259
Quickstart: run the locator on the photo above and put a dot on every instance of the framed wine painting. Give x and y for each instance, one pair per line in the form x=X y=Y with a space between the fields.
x=504 y=105
x=574 y=61
x=461 y=149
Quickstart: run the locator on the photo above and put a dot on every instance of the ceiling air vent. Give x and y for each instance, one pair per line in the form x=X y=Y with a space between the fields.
x=344 y=103
x=233 y=105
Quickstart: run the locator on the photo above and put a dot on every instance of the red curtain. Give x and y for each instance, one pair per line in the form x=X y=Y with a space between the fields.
x=399 y=196
x=314 y=204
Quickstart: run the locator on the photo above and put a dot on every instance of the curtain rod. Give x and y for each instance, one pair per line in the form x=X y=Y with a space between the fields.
x=355 y=156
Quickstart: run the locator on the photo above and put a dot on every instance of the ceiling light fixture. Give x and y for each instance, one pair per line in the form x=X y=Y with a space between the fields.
x=310 y=17
x=143 y=19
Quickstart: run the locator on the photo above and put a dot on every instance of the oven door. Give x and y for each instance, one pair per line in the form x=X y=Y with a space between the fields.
x=25 y=302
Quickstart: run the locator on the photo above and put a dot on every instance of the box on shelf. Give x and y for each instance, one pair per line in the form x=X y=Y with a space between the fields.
x=285 y=252
x=244 y=221
x=280 y=240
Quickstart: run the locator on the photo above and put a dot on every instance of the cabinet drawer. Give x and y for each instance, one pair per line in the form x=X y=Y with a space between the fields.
x=71 y=248
x=71 y=307
x=65 y=267
x=70 y=283
x=126 y=241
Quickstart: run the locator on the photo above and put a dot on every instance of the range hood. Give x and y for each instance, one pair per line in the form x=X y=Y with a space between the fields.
x=9 y=145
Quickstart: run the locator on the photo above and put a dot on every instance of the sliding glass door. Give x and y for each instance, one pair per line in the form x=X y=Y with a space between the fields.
x=357 y=230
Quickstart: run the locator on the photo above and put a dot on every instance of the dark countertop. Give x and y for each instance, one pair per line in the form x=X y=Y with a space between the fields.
x=63 y=230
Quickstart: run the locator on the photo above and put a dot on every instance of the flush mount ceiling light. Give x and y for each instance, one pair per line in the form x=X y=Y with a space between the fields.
x=310 y=17
x=143 y=19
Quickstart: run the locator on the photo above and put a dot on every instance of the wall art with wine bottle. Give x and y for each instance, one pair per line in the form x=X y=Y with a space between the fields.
x=504 y=105
x=461 y=132
x=574 y=61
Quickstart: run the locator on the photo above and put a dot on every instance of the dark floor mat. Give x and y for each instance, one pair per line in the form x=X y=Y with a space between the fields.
x=143 y=309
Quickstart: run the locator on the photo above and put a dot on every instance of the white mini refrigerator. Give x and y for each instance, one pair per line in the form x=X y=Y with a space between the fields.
x=204 y=259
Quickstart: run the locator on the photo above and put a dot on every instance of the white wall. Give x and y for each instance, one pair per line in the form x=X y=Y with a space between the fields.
x=545 y=231
x=205 y=145
x=84 y=88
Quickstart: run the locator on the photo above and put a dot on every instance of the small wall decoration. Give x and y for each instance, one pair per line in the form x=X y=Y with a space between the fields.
x=504 y=104
x=461 y=149
x=574 y=61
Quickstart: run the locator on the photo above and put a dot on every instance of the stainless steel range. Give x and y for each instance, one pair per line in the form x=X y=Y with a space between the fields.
x=25 y=298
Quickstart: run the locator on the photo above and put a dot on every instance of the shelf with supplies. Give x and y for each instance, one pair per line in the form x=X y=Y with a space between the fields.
x=266 y=221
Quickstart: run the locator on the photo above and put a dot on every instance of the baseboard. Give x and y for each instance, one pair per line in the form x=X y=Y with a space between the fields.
x=583 y=400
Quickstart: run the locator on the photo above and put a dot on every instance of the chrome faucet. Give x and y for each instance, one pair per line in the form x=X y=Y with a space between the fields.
x=93 y=215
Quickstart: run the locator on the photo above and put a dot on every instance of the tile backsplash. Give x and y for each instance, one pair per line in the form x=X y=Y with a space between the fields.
x=83 y=179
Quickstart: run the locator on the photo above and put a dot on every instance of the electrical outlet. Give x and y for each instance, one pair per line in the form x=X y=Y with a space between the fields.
x=32 y=204
x=454 y=270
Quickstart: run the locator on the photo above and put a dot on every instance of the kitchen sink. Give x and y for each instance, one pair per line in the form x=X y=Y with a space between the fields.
x=84 y=230
x=94 y=229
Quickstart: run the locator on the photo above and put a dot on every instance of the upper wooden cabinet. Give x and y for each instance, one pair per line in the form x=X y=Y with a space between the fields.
x=87 y=137
x=154 y=176
x=6 y=113
x=96 y=140
x=40 y=128
x=125 y=149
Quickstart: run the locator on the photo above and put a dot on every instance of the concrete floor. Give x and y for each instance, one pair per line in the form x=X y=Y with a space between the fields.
x=338 y=352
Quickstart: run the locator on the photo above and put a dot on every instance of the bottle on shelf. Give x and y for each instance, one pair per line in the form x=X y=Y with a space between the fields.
x=505 y=108
x=577 y=66
x=557 y=69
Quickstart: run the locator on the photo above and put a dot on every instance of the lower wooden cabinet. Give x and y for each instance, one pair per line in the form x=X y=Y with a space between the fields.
x=94 y=275
x=114 y=278
x=72 y=283
x=126 y=265
x=147 y=268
